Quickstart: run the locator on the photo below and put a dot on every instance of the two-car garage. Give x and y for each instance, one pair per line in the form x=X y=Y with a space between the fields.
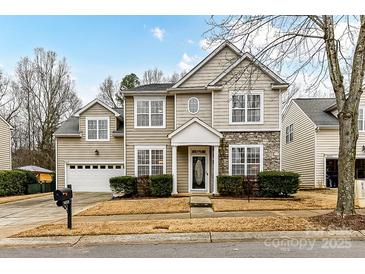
x=92 y=177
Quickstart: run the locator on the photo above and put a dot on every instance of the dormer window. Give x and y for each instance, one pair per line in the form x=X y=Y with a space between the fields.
x=97 y=128
x=193 y=105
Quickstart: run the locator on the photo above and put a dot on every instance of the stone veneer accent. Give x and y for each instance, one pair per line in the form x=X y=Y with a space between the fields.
x=269 y=139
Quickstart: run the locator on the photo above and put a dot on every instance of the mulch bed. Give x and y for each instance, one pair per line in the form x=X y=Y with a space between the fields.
x=332 y=221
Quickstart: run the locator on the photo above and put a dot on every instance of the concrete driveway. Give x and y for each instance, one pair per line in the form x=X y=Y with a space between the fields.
x=22 y=215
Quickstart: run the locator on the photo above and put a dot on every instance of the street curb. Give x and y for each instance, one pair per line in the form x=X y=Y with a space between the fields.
x=201 y=237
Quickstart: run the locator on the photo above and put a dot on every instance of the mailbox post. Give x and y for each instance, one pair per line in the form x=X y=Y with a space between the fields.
x=63 y=197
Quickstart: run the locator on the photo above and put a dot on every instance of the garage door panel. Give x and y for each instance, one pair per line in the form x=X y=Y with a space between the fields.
x=92 y=177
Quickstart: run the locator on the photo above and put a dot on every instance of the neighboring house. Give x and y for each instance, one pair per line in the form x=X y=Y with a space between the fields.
x=311 y=141
x=223 y=117
x=5 y=145
x=43 y=175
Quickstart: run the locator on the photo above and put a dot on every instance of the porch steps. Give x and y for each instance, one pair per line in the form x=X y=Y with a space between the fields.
x=200 y=201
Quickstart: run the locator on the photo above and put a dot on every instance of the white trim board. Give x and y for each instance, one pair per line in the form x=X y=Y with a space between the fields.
x=93 y=102
x=149 y=99
x=97 y=128
x=198 y=121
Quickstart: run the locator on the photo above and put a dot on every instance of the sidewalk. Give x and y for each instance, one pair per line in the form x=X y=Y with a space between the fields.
x=202 y=237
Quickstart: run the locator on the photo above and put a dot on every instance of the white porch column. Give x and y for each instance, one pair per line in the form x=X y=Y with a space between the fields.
x=174 y=169
x=215 y=169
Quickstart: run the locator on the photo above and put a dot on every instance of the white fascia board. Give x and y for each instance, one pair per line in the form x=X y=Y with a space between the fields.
x=206 y=60
x=93 y=102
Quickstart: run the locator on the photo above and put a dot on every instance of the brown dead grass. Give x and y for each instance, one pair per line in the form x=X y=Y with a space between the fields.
x=172 y=226
x=310 y=199
x=8 y=199
x=139 y=206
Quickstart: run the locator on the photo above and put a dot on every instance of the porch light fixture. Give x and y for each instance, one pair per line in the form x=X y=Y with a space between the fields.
x=96 y=152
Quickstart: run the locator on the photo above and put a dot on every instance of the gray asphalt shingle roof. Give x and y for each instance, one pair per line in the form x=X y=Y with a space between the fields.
x=71 y=125
x=152 y=87
x=315 y=109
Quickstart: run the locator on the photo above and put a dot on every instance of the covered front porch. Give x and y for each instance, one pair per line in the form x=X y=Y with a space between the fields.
x=195 y=158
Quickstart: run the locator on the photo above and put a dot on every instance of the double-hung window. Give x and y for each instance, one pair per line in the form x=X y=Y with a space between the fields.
x=289 y=134
x=361 y=119
x=245 y=159
x=97 y=129
x=149 y=161
x=246 y=107
x=150 y=112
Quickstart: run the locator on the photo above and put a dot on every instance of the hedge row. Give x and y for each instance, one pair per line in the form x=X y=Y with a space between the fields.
x=15 y=182
x=155 y=186
x=267 y=184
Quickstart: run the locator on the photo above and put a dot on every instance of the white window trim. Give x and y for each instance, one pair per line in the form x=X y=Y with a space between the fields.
x=150 y=98
x=245 y=146
x=136 y=148
x=363 y=118
x=253 y=92
x=287 y=134
x=191 y=98
x=97 y=129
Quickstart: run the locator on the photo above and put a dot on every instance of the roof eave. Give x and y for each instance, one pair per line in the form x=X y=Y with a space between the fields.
x=93 y=102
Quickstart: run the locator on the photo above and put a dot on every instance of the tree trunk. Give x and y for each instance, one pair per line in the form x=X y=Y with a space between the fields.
x=346 y=163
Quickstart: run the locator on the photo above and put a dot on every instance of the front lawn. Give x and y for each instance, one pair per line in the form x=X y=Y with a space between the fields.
x=8 y=199
x=139 y=206
x=225 y=224
x=305 y=199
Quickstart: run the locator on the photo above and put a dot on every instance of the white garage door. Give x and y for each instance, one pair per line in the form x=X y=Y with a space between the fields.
x=92 y=177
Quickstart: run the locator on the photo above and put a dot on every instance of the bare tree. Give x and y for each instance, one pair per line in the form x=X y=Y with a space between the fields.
x=313 y=47
x=49 y=97
x=9 y=101
x=109 y=93
x=152 y=76
x=175 y=77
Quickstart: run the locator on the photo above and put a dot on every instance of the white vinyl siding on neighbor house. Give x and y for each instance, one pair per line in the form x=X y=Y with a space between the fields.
x=5 y=146
x=150 y=160
x=246 y=107
x=97 y=129
x=289 y=134
x=245 y=159
x=299 y=155
x=149 y=112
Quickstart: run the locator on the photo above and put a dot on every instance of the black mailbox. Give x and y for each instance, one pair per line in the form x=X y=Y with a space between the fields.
x=61 y=195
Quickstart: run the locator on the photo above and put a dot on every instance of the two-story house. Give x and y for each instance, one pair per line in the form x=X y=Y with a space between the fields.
x=223 y=117
x=5 y=144
x=310 y=141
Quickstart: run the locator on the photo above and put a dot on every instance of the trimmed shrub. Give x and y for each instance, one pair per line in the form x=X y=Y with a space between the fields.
x=278 y=183
x=230 y=185
x=12 y=182
x=161 y=185
x=124 y=185
x=143 y=186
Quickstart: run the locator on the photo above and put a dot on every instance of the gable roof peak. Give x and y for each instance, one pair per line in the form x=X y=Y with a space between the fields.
x=93 y=102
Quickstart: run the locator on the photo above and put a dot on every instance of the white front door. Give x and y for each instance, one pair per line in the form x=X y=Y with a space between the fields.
x=198 y=169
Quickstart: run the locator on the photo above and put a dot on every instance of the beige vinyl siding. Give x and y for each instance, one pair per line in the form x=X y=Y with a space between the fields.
x=212 y=68
x=5 y=146
x=299 y=155
x=182 y=169
x=205 y=108
x=328 y=142
x=251 y=79
x=147 y=136
x=78 y=149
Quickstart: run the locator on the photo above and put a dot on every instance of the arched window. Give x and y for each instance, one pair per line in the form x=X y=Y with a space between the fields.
x=193 y=105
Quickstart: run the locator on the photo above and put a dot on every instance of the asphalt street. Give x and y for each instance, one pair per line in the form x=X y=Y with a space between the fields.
x=290 y=249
